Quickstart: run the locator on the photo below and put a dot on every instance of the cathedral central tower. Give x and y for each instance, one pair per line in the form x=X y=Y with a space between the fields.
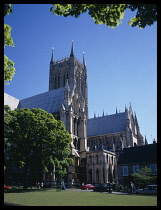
x=70 y=70
x=70 y=75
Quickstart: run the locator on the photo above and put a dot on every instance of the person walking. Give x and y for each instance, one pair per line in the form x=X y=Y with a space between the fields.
x=63 y=186
x=38 y=185
x=110 y=190
x=42 y=184
x=132 y=188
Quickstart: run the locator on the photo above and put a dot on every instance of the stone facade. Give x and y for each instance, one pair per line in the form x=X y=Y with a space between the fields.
x=101 y=166
x=129 y=163
x=96 y=151
x=97 y=142
x=70 y=72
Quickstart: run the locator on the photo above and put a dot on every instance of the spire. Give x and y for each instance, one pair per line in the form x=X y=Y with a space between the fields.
x=135 y=118
x=94 y=114
x=154 y=141
x=52 y=56
x=72 y=50
x=84 y=62
x=136 y=121
x=67 y=88
x=113 y=147
x=126 y=108
x=146 y=142
x=103 y=114
x=116 y=110
x=130 y=108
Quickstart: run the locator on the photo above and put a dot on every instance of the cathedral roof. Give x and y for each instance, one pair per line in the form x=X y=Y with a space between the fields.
x=106 y=124
x=10 y=101
x=49 y=101
x=145 y=153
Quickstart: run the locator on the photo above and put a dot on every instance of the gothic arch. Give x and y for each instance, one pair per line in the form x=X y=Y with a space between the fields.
x=97 y=176
x=75 y=143
x=97 y=159
x=90 y=175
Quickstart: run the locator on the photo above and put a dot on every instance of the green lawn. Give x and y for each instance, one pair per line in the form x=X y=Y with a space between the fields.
x=52 y=197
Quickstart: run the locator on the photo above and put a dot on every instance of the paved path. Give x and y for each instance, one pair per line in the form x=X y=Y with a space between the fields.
x=113 y=192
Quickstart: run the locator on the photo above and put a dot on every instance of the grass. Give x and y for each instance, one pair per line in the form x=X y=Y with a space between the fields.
x=52 y=197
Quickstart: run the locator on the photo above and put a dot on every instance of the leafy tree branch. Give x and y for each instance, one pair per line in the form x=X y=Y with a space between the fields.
x=110 y=14
x=9 y=69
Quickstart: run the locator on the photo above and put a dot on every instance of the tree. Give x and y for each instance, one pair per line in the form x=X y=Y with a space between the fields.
x=110 y=14
x=36 y=141
x=7 y=118
x=9 y=69
x=143 y=178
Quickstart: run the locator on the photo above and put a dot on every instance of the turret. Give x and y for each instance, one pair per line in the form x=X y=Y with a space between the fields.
x=136 y=123
x=72 y=50
x=51 y=70
x=146 y=142
x=84 y=62
x=86 y=85
x=130 y=109
x=67 y=95
x=126 y=110
x=52 y=56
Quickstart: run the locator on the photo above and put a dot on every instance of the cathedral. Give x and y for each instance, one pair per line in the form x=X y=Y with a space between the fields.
x=97 y=142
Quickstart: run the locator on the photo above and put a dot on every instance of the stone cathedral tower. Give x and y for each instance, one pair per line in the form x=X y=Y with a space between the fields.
x=97 y=142
x=71 y=74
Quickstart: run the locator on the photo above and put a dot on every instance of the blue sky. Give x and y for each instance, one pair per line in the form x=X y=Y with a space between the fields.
x=121 y=62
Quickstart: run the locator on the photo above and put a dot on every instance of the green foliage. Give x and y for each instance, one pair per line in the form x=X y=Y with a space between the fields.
x=7 y=9
x=8 y=41
x=110 y=14
x=7 y=119
x=9 y=69
x=146 y=15
x=35 y=140
x=143 y=178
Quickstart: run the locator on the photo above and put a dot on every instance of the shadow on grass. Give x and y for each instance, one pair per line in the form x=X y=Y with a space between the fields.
x=14 y=190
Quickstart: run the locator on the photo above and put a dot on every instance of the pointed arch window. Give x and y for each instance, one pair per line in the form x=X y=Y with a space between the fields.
x=55 y=81
x=90 y=175
x=107 y=158
x=64 y=80
x=97 y=175
x=96 y=158
x=90 y=159
x=58 y=80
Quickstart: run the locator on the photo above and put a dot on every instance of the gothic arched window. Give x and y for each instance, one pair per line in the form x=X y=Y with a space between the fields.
x=107 y=158
x=75 y=143
x=58 y=80
x=64 y=80
x=90 y=159
x=90 y=175
x=97 y=175
x=55 y=82
x=96 y=158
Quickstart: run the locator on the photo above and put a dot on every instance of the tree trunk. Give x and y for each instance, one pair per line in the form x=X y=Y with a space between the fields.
x=25 y=178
